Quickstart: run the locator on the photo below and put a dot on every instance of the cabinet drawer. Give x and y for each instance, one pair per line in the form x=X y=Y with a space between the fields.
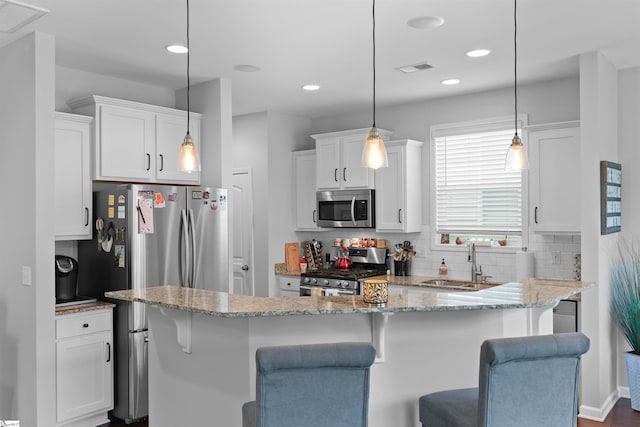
x=83 y=324
x=289 y=285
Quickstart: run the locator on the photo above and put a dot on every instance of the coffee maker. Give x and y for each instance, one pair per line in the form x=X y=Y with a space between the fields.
x=66 y=279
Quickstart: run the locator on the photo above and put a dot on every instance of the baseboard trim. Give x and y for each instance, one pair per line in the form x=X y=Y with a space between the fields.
x=624 y=392
x=599 y=414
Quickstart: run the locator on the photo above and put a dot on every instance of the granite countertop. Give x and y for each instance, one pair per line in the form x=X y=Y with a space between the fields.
x=530 y=293
x=99 y=305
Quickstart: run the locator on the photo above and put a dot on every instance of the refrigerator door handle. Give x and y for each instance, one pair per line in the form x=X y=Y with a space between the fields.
x=193 y=252
x=183 y=249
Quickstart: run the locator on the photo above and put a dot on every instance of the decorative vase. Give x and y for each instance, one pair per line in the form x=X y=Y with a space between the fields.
x=375 y=292
x=633 y=372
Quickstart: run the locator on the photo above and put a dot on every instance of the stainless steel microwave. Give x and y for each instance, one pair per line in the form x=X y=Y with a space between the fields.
x=346 y=208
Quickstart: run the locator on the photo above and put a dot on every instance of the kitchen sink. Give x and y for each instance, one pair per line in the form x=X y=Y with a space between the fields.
x=452 y=284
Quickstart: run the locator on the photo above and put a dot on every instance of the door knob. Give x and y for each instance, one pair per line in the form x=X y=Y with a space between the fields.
x=245 y=267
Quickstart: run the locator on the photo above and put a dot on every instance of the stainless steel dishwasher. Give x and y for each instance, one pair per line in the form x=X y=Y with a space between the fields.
x=565 y=317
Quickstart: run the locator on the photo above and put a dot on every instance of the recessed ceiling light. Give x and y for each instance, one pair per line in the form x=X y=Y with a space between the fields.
x=177 y=48
x=425 y=22
x=311 y=87
x=478 y=53
x=245 y=68
x=450 y=82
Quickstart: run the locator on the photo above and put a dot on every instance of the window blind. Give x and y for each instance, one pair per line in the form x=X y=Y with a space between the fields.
x=474 y=194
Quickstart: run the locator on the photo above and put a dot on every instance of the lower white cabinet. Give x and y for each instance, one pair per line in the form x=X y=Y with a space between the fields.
x=289 y=285
x=84 y=368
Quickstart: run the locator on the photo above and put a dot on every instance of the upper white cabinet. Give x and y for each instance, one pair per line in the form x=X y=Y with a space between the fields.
x=399 y=188
x=72 y=177
x=137 y=142
x=304 y=190
x=338 y=159
x=555 y=177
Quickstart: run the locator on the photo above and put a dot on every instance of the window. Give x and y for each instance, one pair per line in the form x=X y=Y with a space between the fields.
x=474 y=198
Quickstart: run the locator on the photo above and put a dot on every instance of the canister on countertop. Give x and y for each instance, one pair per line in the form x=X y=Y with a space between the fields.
x=443 y=270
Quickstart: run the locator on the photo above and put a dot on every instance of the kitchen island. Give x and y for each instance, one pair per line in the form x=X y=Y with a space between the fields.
x=202 y=344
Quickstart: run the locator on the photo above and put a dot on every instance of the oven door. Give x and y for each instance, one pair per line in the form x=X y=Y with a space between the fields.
x=305 y=291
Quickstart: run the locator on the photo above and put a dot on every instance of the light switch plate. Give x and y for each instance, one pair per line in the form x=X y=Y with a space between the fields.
x=26 y=275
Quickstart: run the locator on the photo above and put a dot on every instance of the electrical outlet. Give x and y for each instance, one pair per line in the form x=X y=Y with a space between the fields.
x=555 y=258
x=26 y=275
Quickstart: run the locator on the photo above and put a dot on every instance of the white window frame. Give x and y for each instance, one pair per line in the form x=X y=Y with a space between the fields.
x=477 y=126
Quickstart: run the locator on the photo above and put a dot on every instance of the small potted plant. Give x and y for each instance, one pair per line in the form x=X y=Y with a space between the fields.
x=625 y=309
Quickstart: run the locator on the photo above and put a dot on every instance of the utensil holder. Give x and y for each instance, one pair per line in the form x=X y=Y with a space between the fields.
x=401 y=268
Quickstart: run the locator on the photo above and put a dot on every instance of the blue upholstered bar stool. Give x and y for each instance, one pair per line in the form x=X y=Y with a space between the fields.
x=524 y=382
x=318 y=385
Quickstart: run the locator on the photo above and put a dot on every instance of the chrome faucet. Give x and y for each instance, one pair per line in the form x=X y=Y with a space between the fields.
x=476 y=270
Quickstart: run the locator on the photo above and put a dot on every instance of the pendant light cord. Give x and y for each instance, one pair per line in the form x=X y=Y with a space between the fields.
x=515 y=64
x=374 y=63
x=188 y=77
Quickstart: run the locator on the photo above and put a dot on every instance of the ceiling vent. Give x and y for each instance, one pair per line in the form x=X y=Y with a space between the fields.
x=407 y=69
x=15 y=15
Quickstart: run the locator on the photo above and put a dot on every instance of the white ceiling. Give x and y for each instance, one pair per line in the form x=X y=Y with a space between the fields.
x=329 y=42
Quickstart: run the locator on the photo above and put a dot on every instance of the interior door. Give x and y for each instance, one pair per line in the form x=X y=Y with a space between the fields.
x=242 y=214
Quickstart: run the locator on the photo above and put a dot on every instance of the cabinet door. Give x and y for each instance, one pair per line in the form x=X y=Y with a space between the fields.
x=390 y=192
x=328 y=173
x=305 y=190
x=555 y=176
x=352 y=173
x=72 y=178
x=126 y=144
x=170 y=131
x=84 y=375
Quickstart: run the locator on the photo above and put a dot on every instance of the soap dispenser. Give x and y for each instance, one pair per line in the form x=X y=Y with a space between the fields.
x=443 y=270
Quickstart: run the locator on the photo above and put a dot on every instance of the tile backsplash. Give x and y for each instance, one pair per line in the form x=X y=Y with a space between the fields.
x=555 y=255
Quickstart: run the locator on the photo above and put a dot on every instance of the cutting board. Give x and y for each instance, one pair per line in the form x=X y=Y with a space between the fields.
x=292 y=256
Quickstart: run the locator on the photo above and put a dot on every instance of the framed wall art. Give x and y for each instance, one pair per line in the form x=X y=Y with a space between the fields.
x=610 y=197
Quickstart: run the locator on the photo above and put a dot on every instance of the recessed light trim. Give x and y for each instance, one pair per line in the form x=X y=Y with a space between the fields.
x=478 y=53
x=425 y=22
x=246 y=68
x=311 y=87
x=449 y=82
x=176 y=48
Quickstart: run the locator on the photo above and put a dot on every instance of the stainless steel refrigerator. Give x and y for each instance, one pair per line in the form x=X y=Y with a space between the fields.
x=150 y=235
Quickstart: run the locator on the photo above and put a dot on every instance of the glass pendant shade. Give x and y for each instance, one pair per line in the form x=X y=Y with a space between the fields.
x=516 y=156
x=188 y=158
x=374 y=155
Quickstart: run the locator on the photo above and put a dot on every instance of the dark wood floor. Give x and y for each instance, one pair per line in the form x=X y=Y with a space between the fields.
x=620 y=416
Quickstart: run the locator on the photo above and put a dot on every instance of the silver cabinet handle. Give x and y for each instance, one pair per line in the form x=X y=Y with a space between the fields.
x=344 y=174
x=86 y=213
x=400 y=216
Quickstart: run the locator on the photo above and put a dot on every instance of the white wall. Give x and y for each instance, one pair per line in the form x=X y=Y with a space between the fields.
x=599 y=141
x=263 y=142
x=74 y=84
x=628 y=131
x=27 y=358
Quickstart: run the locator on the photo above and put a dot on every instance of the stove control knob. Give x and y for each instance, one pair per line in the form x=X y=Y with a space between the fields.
x=325 y=282
x=314 y=281
x=306 y=280
x=343 y=283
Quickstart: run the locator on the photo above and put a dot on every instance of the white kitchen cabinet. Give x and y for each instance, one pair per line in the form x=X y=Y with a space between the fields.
x=338 y=160
x=72 y=177
x=399 y=188
x=555 y=177
x=135 y=142
x=84 y=368
x=289 y=285
x=304 y=190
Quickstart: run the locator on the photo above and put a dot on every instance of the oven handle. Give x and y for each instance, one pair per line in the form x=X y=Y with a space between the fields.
x=340 y=291
x=353 y=210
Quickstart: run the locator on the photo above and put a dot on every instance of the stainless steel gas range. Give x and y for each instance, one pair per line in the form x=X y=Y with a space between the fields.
x=366 y=262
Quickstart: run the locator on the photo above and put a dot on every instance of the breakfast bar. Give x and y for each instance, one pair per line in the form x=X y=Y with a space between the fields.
x=202 y=343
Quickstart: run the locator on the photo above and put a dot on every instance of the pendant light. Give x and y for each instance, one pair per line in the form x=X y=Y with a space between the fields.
x=516 y=155
x=188 y=159
x=374 y=155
